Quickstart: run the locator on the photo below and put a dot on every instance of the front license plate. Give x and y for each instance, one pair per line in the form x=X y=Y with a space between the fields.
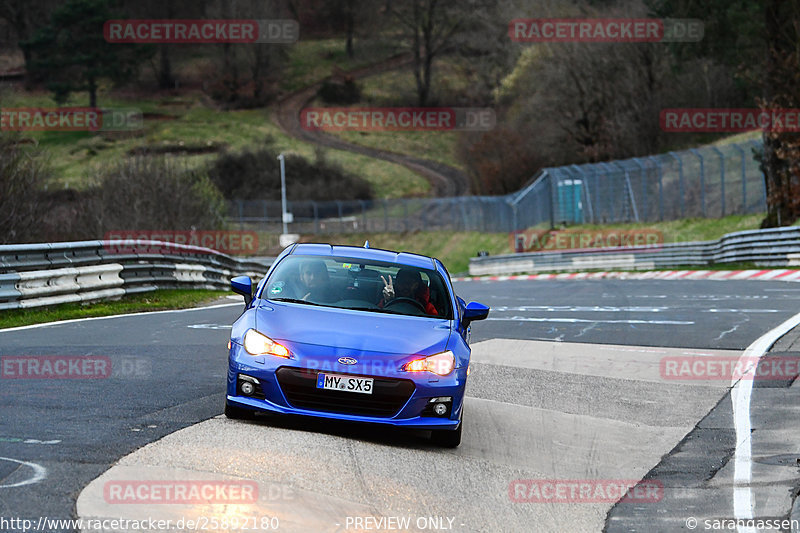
x=344 y=383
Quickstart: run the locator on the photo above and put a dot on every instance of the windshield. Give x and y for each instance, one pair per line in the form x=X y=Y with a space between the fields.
x=359 y=284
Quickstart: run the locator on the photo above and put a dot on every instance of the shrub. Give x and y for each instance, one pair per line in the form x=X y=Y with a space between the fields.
x=23 y=174
x=346 y=92
x=154 y=193
x=256 y=175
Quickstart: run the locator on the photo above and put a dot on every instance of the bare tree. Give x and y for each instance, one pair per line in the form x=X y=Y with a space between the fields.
x=159 y=9
x=26 y=17
x=247 y=69
x=429 y=27
x=781 y=89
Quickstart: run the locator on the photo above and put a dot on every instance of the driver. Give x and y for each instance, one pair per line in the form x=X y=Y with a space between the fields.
x=409 y=285
x=314 y=280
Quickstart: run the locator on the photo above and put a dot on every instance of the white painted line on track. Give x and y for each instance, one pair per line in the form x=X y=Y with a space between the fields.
x=612 y=309
x=591 y=321
x=743 y=503
x=39 y=473
x=87 y=319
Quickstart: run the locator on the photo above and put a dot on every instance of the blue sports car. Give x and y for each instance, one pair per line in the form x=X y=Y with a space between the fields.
x=355 y=334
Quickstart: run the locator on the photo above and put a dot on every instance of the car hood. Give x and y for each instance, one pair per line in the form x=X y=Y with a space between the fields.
x=352 y=330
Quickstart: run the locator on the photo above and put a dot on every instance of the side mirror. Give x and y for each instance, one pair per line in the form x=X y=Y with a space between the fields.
x=475 y=311
x=244 y=286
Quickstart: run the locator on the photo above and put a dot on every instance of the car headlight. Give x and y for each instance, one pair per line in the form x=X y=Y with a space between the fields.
x=259 y=344
x=440 y=364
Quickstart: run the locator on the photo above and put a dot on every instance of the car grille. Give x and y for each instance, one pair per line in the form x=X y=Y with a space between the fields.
x=388 y=396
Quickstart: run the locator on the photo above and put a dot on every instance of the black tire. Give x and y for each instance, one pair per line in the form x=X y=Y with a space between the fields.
x=237 y=413
x=447 y=438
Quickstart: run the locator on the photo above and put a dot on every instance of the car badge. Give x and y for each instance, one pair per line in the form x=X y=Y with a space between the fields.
x=347 y=361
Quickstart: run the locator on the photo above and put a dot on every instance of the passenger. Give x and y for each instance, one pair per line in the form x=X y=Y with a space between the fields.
x=314 y=281
x=409 y=285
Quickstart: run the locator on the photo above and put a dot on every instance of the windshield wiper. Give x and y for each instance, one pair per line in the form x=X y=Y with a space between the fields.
x=375 y=309
x=379 y=310
x=295 y=301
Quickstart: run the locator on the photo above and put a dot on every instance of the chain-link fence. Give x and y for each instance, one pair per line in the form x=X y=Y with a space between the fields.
x=463 y=213
x=710 y=182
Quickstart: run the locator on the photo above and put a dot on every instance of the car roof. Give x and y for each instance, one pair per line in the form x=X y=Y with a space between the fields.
x=375 y=254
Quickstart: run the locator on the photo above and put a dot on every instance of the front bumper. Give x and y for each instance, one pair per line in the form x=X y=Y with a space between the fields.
x=288 y=386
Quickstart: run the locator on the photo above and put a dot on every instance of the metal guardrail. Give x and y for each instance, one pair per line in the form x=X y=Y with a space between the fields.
x=35 y=275
x=775 y=247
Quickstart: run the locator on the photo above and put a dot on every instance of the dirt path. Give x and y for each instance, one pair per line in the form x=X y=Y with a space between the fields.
x=444 y=179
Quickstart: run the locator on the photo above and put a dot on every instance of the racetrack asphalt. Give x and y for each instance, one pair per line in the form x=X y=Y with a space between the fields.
x=566 y=385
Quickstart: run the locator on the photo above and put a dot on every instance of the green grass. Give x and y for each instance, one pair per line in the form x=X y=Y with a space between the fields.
x=398 y=88
x=738 y=138
x=434 y=145
x=76 y=156
x=684 y=230
x=311 y=61
x=151 y=301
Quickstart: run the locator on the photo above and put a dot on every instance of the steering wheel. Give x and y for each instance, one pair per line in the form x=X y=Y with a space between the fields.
x=402 y=299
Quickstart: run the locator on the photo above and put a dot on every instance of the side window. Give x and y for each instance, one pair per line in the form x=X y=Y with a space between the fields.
x=438 y=295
